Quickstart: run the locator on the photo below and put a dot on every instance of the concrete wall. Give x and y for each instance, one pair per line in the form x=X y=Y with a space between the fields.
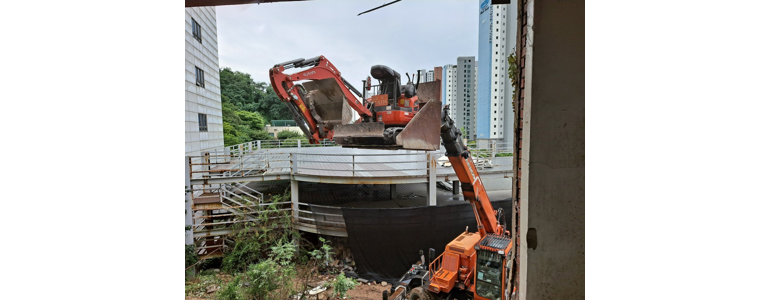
x=205 y=100
x=553 y=154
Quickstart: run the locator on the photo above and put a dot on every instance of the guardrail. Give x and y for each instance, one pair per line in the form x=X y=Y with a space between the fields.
x=320 y=219
x=377 y=164
x=360 y=165
x=248 y=147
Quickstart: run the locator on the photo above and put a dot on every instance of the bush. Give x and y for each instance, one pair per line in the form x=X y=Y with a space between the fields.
x=231 y=291
x=342 y=285
x=287 y=134
x=190 y=255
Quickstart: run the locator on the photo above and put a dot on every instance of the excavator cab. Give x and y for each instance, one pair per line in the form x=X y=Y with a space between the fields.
x=401 y=120
x=390 y=82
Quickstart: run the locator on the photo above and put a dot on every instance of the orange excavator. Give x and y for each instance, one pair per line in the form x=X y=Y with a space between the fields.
x=474 y=265
x=321 y=100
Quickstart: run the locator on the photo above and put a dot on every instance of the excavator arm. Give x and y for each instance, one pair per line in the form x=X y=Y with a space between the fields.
x=473 y=189
x=327 y=84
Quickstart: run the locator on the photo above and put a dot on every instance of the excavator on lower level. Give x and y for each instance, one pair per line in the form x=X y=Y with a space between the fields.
x=475 y=265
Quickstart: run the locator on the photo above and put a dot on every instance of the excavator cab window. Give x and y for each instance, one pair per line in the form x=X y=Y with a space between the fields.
x=489 y=274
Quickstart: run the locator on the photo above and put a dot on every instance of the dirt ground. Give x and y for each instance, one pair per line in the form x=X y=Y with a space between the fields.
x=367 y=291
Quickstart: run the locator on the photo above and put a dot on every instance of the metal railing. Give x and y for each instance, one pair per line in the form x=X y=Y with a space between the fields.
x=330 y=217
x=360 y=165
x=375 y=164
x=249 y=147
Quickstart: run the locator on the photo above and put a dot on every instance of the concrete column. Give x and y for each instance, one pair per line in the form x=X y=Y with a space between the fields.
x=393 y=194
x=455 y=187
x=432 y=178
x=295 y=198
x=188 y=213
x=259 y=145
x=553 y=153
x=188 y=221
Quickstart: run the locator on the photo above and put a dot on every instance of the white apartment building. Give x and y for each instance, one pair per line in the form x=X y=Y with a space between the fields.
x=203 y=101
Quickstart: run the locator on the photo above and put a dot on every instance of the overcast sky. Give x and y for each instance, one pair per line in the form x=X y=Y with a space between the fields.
x=406 y=36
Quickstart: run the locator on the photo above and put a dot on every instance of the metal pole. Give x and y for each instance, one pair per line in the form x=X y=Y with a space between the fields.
x=431 y=179
x=295 y=198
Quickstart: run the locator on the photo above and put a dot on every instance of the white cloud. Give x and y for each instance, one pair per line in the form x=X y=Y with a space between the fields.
x=407 y=36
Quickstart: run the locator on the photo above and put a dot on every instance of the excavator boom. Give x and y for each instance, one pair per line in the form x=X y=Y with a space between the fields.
x=321 y=101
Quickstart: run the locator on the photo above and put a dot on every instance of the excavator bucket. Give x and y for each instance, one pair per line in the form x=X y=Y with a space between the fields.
x=328 y=101
x=421 y=133
x=424 y=131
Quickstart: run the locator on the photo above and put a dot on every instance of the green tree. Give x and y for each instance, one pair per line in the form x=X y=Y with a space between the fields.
x=242 y=122
x=239 y=89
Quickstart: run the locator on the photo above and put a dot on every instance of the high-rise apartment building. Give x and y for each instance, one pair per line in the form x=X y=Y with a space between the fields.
x=492 y=78
x=437 y=72
x=430 y=76
x=448 y=86
x=465 y=95
x=203 y=101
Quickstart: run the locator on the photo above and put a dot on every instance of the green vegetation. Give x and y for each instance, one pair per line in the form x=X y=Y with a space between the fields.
x=342 y=285
x=269 y=260
x=247 y=106
x=190 y=256
x=286 y=134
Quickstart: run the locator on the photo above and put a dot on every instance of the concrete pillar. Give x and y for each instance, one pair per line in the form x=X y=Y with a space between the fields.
x=393 y=194
x=188 y=235
x=295 y=198
x=432 y=163
x=188 y=213
x=455 y=187
x=259 y=145
x=553 y=153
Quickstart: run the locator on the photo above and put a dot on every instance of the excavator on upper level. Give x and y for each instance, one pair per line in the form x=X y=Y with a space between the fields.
x=321 y=100
x=475 y=265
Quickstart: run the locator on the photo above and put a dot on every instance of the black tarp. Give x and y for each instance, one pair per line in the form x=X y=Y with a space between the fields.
x=386 y=242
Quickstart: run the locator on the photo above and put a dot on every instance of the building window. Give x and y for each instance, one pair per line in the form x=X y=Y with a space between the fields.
x=196 y=29
x=199 y=80
x=203 y=124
